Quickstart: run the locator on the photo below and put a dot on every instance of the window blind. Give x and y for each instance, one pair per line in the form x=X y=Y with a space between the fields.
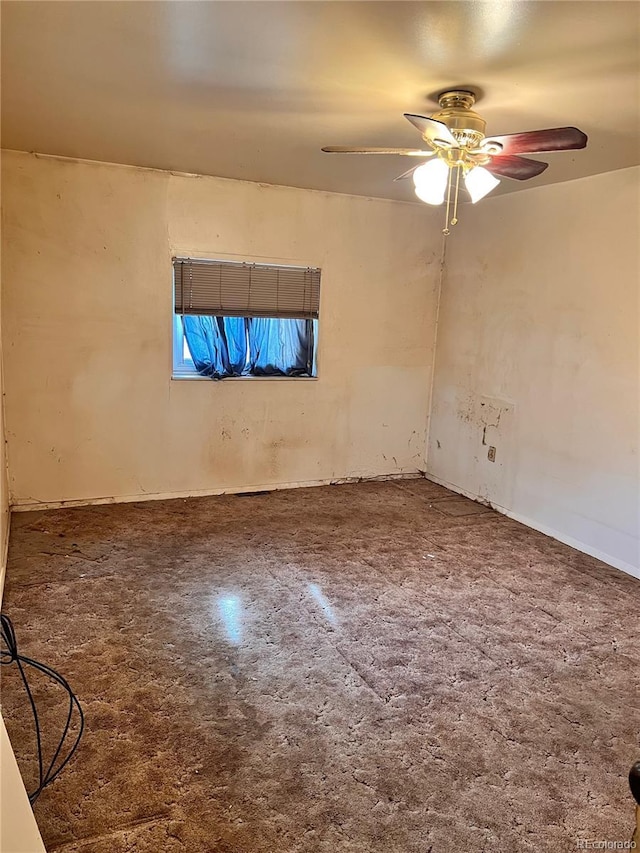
x=232 y=289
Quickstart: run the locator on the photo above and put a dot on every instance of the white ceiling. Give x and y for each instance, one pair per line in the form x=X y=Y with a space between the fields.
x=252 y=90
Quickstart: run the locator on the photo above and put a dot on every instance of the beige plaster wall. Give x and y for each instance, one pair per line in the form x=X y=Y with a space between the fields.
x=537 y=357
x=92 y=411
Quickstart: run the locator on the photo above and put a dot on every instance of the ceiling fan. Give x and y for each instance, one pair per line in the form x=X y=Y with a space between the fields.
x=457 y=142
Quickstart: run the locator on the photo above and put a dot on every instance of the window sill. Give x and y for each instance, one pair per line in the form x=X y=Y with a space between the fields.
x=183 y=376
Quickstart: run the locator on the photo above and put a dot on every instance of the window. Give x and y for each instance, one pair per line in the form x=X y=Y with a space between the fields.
x=242 y=319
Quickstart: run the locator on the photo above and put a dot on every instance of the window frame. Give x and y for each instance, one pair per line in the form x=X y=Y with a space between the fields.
x=183 y=369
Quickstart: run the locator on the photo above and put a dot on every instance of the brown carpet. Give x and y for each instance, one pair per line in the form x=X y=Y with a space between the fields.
x=372 y=668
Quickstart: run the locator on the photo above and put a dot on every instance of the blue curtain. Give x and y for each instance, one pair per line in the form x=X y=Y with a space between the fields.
x=240 y=346
x=236 y=330
x=208 y=348
x=280 y=347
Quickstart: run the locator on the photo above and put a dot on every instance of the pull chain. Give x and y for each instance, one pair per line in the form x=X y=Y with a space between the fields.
x=454 y=221
x=445 y=230
x=454 y=218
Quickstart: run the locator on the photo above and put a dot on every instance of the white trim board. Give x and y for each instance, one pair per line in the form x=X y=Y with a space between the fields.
x=31 y=506
x=628 y=568
x=19 y=831
x=4 y=557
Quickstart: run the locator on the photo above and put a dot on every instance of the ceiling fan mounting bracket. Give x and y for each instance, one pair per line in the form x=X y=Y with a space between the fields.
x=455 y=111
x=463 y=98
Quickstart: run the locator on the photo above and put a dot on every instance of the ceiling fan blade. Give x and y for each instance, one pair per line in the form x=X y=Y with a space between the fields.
x=403 y=152
x=433 y=131
x=520 y=168
x=407 y=174
x=533 y=141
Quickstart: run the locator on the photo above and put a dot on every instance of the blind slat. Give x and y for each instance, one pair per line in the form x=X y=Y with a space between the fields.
x=226 y=288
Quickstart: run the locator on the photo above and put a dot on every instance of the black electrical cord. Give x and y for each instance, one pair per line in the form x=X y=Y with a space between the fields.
x=10 y=655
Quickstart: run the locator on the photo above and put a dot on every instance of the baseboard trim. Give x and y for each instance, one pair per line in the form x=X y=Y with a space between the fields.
x=460 y=491
x=623 y=566
x=4 y=557
x=31 y=506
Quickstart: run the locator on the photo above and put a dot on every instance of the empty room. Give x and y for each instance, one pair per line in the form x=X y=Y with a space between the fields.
x=320 y=370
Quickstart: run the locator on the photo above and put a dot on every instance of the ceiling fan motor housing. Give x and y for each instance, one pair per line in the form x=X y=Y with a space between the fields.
x=455 y=111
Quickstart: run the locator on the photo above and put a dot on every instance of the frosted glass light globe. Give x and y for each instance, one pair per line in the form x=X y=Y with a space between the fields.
x=479 y=182
x=430 y=181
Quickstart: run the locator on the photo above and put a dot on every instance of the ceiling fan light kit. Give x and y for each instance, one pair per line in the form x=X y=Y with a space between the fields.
x=457 y=142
